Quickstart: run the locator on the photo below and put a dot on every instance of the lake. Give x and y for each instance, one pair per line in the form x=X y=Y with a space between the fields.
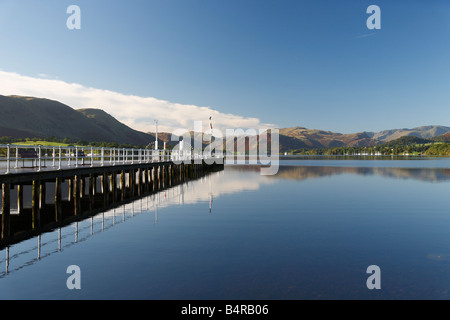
x=310 y=232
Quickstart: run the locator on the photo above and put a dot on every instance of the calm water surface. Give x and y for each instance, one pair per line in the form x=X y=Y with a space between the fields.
x=308 y=233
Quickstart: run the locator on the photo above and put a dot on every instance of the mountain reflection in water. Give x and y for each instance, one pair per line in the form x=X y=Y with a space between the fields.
x=312 y=172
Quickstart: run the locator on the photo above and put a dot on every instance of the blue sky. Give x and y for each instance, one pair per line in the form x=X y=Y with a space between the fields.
x=290 y=63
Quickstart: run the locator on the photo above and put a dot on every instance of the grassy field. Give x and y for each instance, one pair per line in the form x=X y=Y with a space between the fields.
x=42 y=143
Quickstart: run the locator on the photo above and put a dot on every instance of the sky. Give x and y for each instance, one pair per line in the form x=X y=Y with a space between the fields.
x=245 y=63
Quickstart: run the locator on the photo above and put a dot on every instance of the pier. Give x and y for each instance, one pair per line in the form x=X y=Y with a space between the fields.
x=83 y=182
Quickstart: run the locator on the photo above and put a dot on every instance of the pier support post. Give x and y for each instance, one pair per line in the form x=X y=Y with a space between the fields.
x=82 y=186
x=164 y=167
x=35 y=207
x=91 y=192
x=42 y=195
x=58 y=199
x=114 y=186
x=131 y=178
x=122 y=185
x=153 y=178
x=105 y=189
x=20 y=199
x=146 y=189
x=159 y=177
x=139 y=182
x=70 y=190
x=6 y=210
x=76 y=195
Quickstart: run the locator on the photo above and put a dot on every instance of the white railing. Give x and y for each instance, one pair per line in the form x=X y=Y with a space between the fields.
x=66 y=157
x=59 y=157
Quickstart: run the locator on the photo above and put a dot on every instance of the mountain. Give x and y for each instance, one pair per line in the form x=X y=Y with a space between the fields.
x=442 y=138
x=29 y=117
x=406 y=141
x=326 y=139
x=425 y=132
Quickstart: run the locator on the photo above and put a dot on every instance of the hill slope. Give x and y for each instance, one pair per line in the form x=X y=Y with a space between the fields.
x=23 y=117
x=442 y=138
x=114 y=130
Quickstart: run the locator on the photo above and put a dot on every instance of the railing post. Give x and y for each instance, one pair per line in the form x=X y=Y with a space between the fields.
x=53 y=156
x=39 y=159
x=92 y=157
x=17 y=158
x=8 y=154
x=70 y=153
x=103 y=157
x=76 y=157
x=59 y=160
x=124 y=150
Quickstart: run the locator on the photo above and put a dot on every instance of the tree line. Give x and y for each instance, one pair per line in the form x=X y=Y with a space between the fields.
x=436 y=149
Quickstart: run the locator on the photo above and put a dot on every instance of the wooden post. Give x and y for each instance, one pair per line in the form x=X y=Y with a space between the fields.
x=131 y=178
x=70 y=189
x=94 y=184
x=146 y=180
x=6 y=210
x=42 y=194
x=76 y=195
x=82 y=186
x=153 y=175
x=105 y=188
x=139 y=182
x=91 y=192
x=122 y=185
x=20 y=198
x=35 y=209
x=58 y=199
x=157 y=177
x=114 y=186
x=164 y=175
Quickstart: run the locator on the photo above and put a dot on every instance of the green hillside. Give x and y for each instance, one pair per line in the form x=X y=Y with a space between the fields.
x=27 y=117
x=406 y=141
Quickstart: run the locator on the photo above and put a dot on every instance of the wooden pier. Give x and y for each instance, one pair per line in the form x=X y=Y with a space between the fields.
x=89 y=190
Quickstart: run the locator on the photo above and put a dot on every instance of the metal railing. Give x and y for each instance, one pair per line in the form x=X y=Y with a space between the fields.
x=65 y=157
x=59 y=157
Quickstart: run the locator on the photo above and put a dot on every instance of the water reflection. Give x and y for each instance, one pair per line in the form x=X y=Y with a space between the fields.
x=313 y=172
x=29 y=252
x=205 y=190
x=290 y=252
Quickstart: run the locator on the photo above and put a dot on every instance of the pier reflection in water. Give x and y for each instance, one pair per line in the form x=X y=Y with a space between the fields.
x=214 y=184
x=96 y=213
x=61 y=238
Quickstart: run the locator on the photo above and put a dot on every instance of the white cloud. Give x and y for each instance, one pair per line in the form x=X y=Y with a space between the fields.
x=137 y=112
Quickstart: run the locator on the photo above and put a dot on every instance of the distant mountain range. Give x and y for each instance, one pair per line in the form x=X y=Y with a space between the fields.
x=299 y=137
x=29 y=117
